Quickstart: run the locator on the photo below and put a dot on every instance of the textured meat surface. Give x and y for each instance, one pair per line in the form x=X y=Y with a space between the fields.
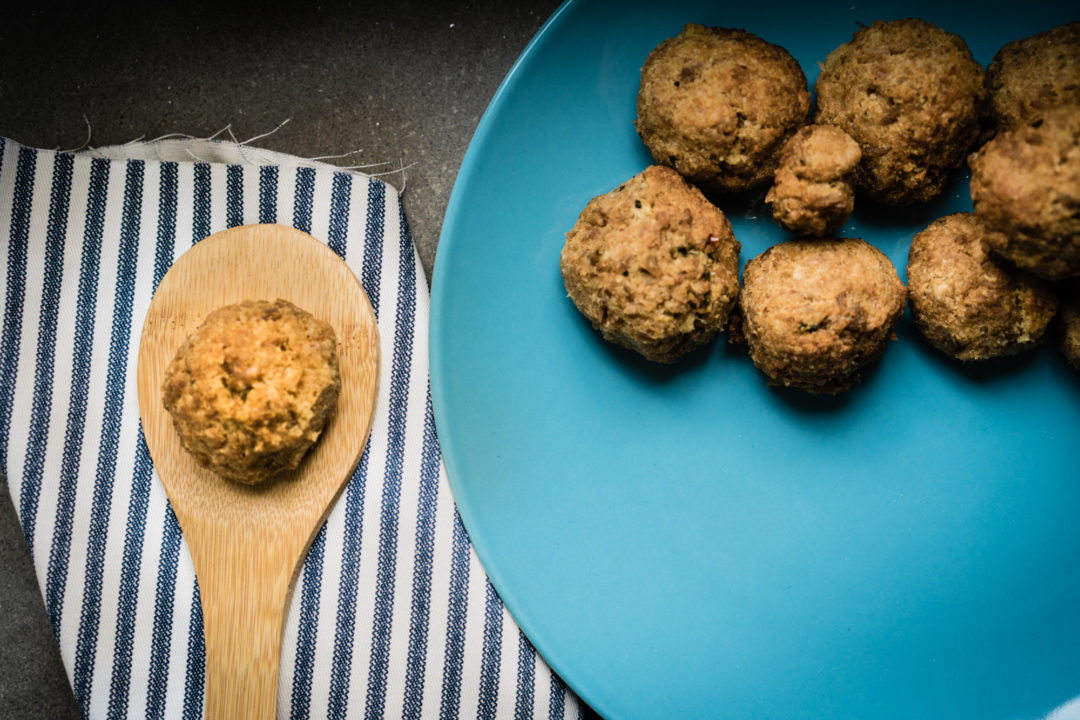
x=968 y=303
x=1026 y=183
x=718 y=105
x=1028 y=77
x=812 y=192
x=816 y=311
x=251 y=389
x=911 y=95
x=653 y=265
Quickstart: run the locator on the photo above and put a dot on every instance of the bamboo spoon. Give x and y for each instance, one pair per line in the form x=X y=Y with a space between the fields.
x=247 y=542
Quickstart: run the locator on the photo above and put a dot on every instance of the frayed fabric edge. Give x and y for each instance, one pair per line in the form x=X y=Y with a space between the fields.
x=177 y=147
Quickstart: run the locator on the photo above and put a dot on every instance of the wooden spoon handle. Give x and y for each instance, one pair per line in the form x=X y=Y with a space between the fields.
x=244 y=600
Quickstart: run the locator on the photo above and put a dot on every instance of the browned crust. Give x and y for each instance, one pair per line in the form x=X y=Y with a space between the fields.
x=718 y=104
x=911 y=95
x=812 y=192
x=251 y=389
x=1026 y=184
x=816 y=311
x=967 y=303
x=653 y=265
x=1027 y=77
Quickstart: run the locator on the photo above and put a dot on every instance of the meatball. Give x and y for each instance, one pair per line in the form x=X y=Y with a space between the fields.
x=1070 y=324
x=251 y=389
x=718 y=105
x=911 y=95
x=1026 y=183
x=653 y=265
x=969 y=304
x=812 y=192
x=1029 y=76
x=816 y=311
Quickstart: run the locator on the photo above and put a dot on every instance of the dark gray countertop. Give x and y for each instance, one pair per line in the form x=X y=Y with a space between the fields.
x=401 y=83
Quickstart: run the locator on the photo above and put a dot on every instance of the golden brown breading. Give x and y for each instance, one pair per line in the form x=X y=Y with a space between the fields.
x=911 y=95
x=1029 y=76
x=812 y=193
x=816 y=311
x=653 y=265
x=251 y=389
x=1026 y=183
x=718 y=105
x=968 y=303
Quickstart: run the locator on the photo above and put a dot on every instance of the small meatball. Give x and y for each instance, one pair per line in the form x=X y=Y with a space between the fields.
x=718 y=105
x=815 y=311
x=812 y=193
x=911 y=95
x=1070 y=324
x=251 y=389
x=653 y=265
x=1026 y=184
x=1029 y=76
x=969 y=304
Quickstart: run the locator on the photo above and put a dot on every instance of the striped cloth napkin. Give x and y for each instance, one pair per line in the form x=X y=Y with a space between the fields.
x=392 y=615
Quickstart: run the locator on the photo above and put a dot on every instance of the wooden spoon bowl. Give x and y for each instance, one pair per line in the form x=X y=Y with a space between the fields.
x=247 y=542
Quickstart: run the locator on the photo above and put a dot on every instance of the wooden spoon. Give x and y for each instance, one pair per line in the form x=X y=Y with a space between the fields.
x=247 y=542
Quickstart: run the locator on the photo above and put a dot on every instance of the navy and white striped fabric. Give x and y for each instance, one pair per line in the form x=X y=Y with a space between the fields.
x=392 y=616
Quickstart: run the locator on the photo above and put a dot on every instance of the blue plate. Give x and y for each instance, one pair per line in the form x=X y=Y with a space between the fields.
x=687 y=542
